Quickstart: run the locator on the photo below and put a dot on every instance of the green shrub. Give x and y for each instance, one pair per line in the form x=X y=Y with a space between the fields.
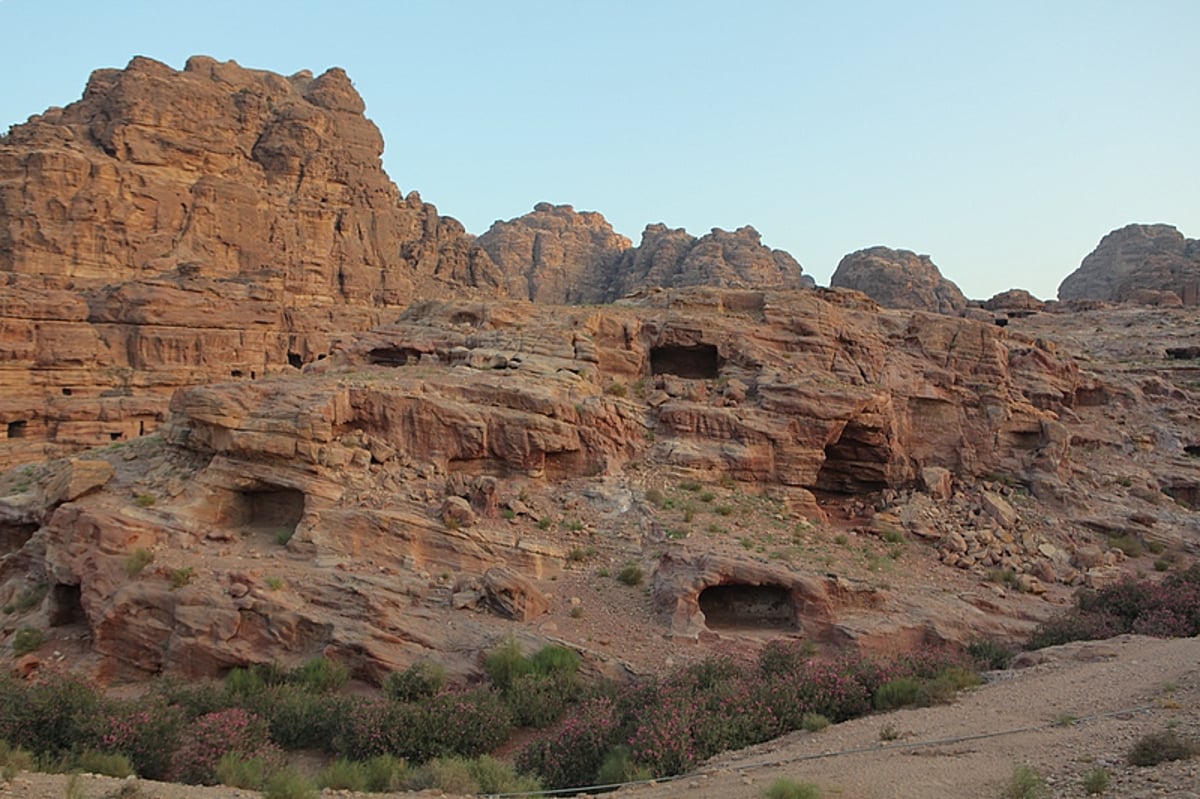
x=288 y=784
x=344 y=775
x=15 y=758
x=144 y=730
x=385 y=773
x=1131 y=545
x=137 y=560
x=298 y=718
x=1025 y=783
x=321 y=675
x=615 y=389
x=240 y=771
x=554 y=659
x=45 y=718
x=787 y=788
x=1160 y=747
x=900 y=692
x=813 y=722
x=538 y=700
x=446 y=774
x=618 y=767
x=245 y=684
x=1096 y=781
x=27 y=639
x=495 y=777
x=506 y=663
x=110 y=764
x=630 y=574
x=990 y=654
x=655 y=497
x=418 y=680
x=208 y=739
x=181 y=577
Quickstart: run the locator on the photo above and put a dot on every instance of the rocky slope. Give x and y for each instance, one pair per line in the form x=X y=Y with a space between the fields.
x=474 y=468
x=1138 y=263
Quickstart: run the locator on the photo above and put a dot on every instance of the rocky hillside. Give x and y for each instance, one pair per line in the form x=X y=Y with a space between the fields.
x=176 y=228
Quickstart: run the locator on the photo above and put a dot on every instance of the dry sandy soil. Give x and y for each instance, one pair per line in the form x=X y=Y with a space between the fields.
x=1082 y=706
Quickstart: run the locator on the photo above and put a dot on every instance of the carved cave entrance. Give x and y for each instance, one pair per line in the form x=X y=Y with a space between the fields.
x=1186 y=494
x=857 y=462
x=272 y=510
x=393 y=356
x=14 y=536
x=66 y=605
x=740 y=606
x=691 y=362
x=17 y=429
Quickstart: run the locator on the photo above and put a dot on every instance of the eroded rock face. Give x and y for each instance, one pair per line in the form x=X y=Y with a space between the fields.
x=1149 y=264
x=179 y=227
x=899 y=279
x=555 y=254
x=388 y=462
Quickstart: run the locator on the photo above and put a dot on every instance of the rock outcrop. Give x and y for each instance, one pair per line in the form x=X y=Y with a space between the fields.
x=179 y=227
x=556 y=254
x=407 y=454
x=1150 y=264
x=899 y=279
x=673 y=258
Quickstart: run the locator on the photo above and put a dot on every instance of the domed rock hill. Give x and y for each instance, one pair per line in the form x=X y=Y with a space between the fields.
x=1139 y=263
x=899 y=279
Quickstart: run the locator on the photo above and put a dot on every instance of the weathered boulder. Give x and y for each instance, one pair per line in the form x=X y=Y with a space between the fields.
x=899 y=279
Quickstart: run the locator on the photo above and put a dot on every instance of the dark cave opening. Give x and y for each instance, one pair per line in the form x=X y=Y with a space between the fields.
x=393 y=356
x=857 y=462
x=1186 y=494
x=1183 y=353
x=742 y=606
x=691 y=362
x=273 y=510
x=294 y=360
x=66 y=605
x=16 y=429
x=14 y=536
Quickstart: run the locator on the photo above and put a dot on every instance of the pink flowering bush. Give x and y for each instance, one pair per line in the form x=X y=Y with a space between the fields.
x=146 y=731
x=574 y=754
x=208 y=738
x=1167 y=608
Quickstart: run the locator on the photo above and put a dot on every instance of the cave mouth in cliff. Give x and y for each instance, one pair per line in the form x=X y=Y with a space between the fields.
x=741 y=606
x=1192 y=450
x=16 y=429
x=66 y=605
x=856 y=463
x=273 y=510
x=1183 y=353
x=691 y=361
x=1186 y=494
x=14 y=536
x=393 y=356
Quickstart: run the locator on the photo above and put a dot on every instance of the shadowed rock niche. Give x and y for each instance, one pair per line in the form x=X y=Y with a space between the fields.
x=857 y=462
x=691 y=362
x=271 y=510
x=739 y=606
x=14 y=536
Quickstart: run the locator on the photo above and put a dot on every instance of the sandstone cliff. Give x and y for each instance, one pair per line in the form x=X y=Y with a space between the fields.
x=899 y=279
x=1139 y=263
x=555 y=254
x=180 y=227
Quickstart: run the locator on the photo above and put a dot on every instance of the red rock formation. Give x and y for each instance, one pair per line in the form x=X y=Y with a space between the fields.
x=899 y=279
x=1138 y=263
x=180 y=227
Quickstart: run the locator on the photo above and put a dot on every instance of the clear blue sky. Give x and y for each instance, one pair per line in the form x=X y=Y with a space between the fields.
x=1004 y=139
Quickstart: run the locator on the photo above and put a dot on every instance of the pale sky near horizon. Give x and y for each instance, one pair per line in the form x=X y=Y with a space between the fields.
x=1004 y=139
